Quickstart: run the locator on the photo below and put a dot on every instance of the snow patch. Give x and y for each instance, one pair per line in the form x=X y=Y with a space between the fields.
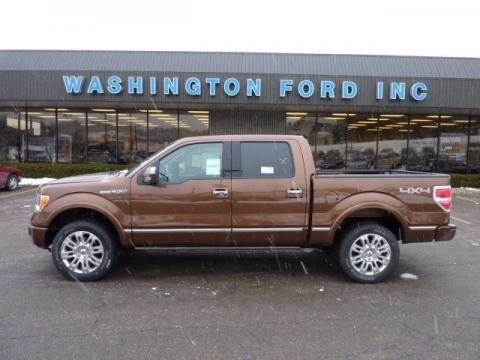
x=409 y=276
x=35 y=182
x=464 y=190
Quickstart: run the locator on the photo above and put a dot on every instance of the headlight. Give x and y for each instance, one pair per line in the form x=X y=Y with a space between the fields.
x=41 y=201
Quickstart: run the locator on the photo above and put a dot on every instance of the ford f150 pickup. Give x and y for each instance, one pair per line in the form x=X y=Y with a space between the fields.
x=240 y=191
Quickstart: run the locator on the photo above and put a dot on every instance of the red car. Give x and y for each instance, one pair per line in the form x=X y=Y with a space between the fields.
x=9 y=177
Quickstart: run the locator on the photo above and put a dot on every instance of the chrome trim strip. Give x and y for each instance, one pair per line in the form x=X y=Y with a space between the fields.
x=321 y=228
x=211 y=230
x=179 y=230
x=217 y=248
x=278 y=229
x=419 y=228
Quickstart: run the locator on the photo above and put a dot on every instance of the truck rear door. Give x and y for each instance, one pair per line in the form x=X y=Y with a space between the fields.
x=269 y=187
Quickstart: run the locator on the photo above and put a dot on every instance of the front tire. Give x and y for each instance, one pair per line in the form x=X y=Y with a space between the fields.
x=368 y=252
x=12 y=182
x=84 y=250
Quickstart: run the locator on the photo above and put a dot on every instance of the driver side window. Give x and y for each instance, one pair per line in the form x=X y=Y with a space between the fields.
x=196 y=161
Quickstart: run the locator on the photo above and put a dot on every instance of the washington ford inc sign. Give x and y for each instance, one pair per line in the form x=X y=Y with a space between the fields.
x=195 y=86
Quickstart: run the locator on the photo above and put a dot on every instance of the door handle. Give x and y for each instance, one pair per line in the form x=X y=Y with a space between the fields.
x=294 y=193
x=220 y=193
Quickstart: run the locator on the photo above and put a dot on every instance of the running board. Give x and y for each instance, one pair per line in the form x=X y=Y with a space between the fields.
x=220 y=248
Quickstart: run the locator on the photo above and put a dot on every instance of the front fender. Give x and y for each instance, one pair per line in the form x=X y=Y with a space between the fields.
x=116 y=211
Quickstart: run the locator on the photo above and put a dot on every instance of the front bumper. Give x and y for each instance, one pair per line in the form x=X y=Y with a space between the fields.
x=38 y=235
x=445 y=232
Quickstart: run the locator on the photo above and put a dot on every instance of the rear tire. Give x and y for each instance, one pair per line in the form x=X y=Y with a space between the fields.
x=368 y=252
x=84 y=250
x=12 y=182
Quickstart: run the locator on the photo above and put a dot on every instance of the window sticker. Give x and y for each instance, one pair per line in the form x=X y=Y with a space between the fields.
x=266 y=170
x=213 y=167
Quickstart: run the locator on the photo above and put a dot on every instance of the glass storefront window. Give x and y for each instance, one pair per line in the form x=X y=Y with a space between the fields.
x=330 y=141
x=361 y=141
x=303 y=124
x=474 y=148
x=132 y=137
x=71 y=136
x=194 y=123
x=163 y=128
x=41 y=136
x=12 y=131
x=452 y=155
x=102 y=136
x=392 y=141
x=422 y=149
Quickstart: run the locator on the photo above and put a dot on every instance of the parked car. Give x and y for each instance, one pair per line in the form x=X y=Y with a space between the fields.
x=9 y=177
x=240 y=191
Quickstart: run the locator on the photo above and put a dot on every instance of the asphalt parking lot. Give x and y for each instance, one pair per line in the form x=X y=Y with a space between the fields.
x=293 y=305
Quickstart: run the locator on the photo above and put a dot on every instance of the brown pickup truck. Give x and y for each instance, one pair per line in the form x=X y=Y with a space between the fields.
x=240 y=192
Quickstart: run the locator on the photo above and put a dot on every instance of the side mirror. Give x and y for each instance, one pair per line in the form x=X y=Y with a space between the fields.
x=149 y=176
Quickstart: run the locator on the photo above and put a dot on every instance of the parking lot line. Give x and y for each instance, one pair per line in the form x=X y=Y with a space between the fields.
x=466 y=199
x=17 y=193
x=461 y=220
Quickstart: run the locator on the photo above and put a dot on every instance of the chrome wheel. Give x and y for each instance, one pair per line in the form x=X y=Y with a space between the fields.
x=82 y=252
x=12 y=183
x=370 y=254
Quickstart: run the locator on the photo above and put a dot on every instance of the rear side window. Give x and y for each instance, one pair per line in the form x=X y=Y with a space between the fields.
x=266 y=160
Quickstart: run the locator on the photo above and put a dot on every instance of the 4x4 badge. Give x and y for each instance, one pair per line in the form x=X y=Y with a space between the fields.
x=412 y=190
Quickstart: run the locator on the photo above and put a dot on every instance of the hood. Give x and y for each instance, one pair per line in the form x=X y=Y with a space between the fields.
x=90 y=178
x=9 y=169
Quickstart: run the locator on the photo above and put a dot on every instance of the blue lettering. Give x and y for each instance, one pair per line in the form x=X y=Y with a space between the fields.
x=170 y=86
x=73 y=84
x=212 y=83
x=114 y=84
x=254 y=87
x=135 y=85
x=327 y=89
x=153 y=85
x=95 y=86
x=397 y=91
x=379 y=94
x=193 y=86
x=349 y=89
x=285 y=86
x=305 y=88
x=228 y=88
x=419 y=91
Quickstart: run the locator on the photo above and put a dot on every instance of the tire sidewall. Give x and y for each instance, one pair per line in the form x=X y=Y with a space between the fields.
x=355 y=231
x=103 y=235
x=9 y=188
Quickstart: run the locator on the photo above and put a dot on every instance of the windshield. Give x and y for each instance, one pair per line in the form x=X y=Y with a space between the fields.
x=149 y=158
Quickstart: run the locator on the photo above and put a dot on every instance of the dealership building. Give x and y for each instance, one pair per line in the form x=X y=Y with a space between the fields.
x=357 y=112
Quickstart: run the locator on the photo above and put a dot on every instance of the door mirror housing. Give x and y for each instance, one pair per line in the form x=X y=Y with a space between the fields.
x=149 y=176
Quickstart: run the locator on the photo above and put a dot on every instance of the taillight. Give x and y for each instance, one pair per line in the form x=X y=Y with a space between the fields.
x=443 y=196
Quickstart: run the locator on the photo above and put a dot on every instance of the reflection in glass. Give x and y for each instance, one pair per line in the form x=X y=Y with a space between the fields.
x=41 y=136
x=361 y=141
x=392 y=141
x=330 y=140
x=163 y=128
x=474 y=149
x=422 y=149
x=193 y=123
x=71 y=136
x=102 y=137
x=452 y=156
x=10 y=137
x=303 y=124
x=132 y=137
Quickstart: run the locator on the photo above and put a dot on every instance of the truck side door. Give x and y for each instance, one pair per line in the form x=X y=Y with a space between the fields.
x=190 y=204
x=269 y=186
